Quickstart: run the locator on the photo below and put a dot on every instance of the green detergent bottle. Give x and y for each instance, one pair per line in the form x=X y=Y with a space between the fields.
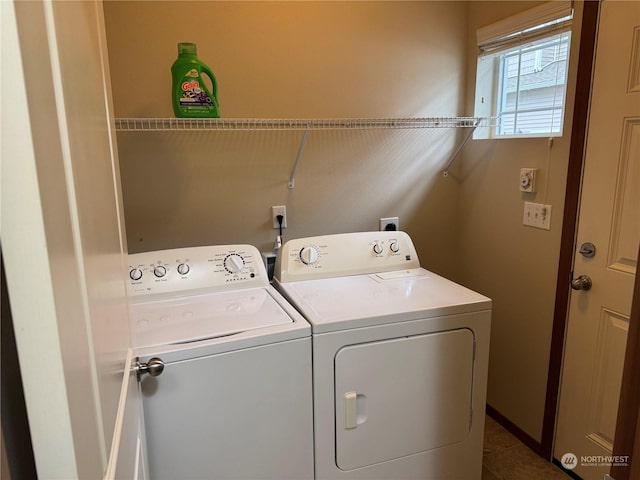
x=191 y=96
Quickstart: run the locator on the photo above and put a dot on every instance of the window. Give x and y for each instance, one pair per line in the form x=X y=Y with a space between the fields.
x=522 y=72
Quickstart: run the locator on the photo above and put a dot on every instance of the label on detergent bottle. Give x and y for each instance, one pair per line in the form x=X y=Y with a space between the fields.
x=192 y=94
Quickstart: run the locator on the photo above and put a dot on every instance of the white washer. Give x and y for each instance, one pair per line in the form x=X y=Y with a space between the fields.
x=234 y=400
x=400 y=358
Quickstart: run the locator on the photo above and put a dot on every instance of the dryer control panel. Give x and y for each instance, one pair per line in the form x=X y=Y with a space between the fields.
x=345 y=254
x=213 y=268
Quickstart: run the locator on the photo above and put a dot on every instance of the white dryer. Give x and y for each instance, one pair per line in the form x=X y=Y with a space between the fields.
x=234 y=399
x=400 y=358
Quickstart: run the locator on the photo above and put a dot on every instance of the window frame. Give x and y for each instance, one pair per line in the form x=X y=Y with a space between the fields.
x=531 y=29
x=502 y=92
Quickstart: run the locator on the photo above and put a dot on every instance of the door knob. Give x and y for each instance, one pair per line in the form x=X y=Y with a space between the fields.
x=583 y=282
x=153 y=367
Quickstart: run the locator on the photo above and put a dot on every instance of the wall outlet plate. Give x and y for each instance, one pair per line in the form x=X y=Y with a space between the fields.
x=389 y=223
x=279 y=210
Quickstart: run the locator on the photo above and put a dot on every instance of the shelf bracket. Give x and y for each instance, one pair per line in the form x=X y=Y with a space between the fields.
x=445 y=172
x=303 y=142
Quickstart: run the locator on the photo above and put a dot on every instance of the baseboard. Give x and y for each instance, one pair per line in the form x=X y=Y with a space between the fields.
x=514 y=430
x=525 y=438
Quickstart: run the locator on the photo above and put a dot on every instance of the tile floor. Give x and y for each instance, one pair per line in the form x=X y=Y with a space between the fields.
x=506 y=458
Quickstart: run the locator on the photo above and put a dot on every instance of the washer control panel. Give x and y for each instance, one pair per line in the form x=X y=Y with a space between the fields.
x=219 y=267
x=345 y=254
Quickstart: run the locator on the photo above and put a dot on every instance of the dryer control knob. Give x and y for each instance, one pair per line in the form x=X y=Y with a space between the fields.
x=159 y=271
x=377 y=248
x=135 y=274
x=394 y=247
x=309 y=255
x=183 y=268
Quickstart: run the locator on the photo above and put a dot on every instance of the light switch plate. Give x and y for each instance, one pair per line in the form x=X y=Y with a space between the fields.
x=537 y=215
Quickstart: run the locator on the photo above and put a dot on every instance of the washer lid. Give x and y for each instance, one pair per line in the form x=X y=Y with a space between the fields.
x=365 y=300
x=186 y=320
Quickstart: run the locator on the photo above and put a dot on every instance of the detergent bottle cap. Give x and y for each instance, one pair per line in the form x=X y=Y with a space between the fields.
x=187 y=48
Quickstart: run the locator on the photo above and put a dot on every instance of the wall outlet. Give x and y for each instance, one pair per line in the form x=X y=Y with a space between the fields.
x=537 y=215
x=389 y=223
x=279 y=210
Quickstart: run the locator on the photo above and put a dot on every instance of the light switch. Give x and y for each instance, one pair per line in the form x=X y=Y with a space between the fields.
x=537 y=215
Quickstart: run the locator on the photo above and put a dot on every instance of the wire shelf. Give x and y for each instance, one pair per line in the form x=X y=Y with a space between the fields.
x=253 y=124
x=180 y=124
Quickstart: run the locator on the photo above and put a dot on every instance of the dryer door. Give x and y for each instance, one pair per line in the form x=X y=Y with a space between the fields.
x=402 y=396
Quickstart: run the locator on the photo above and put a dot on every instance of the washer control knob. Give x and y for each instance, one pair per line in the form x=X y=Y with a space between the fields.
x=394 y=247
x=309 y=255
x=135 y=274
x=234 y=263
x=377 y=248
x=159 y=271
x=183 y=268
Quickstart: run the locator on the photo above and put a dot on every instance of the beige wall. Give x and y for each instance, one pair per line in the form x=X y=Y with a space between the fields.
x=291 y=60
x=514 y=265
x=346 y=59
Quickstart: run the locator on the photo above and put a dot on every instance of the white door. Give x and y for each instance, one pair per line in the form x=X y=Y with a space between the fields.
x=63 y=242
x=609 y=219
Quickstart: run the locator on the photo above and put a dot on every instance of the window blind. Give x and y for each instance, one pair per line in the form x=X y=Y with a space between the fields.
x=544 y=20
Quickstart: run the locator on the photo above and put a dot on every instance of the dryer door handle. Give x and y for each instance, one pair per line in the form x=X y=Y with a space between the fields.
x=354 y=409
x=350 y=410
